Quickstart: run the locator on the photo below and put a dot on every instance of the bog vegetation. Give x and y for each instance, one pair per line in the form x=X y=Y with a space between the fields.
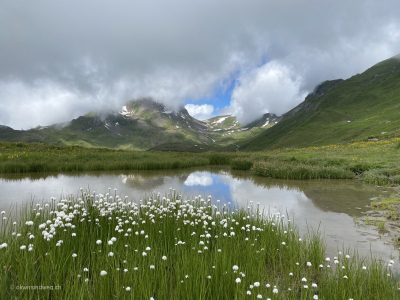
x=103 y=246
x=374 y=162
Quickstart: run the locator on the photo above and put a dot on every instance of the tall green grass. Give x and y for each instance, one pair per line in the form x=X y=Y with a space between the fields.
x=375 y=162
x=241 y=163
x=280 y=169
x=171 y=248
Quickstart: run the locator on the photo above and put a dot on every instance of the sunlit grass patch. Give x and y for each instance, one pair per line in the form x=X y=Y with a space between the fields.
x=103 y=246
x=387 y=204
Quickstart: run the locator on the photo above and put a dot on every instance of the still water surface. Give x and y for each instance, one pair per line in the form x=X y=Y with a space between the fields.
x=329 y=205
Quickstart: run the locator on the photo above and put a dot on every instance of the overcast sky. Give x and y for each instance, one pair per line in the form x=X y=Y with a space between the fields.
x=61 y=59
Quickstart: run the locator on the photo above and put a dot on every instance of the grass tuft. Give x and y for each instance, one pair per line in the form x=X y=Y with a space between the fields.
x=103 y=246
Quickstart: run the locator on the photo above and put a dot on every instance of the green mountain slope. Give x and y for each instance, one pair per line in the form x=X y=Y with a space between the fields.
x=365 y=106
x=141 y=125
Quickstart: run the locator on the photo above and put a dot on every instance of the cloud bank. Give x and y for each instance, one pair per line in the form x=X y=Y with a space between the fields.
x=62 y=59
x=200 y=112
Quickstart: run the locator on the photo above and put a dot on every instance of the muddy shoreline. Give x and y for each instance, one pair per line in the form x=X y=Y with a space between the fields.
x=386 y=222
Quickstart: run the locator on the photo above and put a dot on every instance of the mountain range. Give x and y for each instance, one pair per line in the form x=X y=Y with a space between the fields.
x=363 y=107
x=141 y=125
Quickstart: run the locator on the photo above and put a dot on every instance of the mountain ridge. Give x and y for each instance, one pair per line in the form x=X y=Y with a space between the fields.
x=364 y=106
x=139 y=125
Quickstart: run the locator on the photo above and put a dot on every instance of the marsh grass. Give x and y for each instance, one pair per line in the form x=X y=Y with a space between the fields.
x=386 y=204
x=374 y=162
x=290 y=170
x=241 y=163
x=198 y=250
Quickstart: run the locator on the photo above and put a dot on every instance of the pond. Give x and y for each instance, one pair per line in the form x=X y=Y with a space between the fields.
x=327 y=205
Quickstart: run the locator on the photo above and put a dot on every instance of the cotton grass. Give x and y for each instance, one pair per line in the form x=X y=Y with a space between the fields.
x=176 y=249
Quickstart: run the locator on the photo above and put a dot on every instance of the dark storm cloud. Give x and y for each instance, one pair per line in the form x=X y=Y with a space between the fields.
x=61 y=59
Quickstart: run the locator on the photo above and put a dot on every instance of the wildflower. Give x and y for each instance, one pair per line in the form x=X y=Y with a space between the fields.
x=238 y=280
x=98 y=242
x=345 y=277
x=347 y=256
x=86 y=279
x=144 y=253
x=74 y=255
x=235 y=268
x=29 y=223
x=31 y=236
x=164 y=258
x=290 y=274
x=267 y=285
x=128 y=288
x=259 y=296
x=125 y=270
x=103 y=273
x=364 y=267
x=306 y=286
x=85 y=270
x=256 y=284
x=110 y=242
x=110 y=254
x=308 y=264
x=304 y=279
x=314 y=285
x=152 y=267
x=315 y=297
x=275 y=290
x=23 y=247
x=148 y=248
x=209 y=277
x=248 y=293
x=4 y=245
x=73 y=234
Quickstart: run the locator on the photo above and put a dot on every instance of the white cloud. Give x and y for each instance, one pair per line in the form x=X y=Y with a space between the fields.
x=199 y=178
x=201 y=112
x=176 y=50
x=272 y=88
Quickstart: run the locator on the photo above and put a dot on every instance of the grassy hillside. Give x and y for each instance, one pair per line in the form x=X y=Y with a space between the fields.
x=365 y=106
x=138 y=126
x=143 y=125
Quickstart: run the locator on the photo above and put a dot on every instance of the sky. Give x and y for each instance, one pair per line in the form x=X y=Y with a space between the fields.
x=62 y=59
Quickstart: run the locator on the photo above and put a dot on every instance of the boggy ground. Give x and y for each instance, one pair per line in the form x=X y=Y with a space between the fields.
x=385 y=216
